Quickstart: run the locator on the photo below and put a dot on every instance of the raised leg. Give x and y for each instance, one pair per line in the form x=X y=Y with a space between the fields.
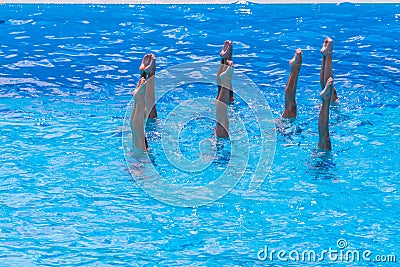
x=290 y=91
x=326 y=66
x=148 y=68
x=226 y=55
x=222 y=127
x=324 y=141
x=138 y=115
x=150 y=98
x=221 y=69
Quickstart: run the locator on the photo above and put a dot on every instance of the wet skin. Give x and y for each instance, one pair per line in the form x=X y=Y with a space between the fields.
x=326 y=65
x=225 y=54
x=324 y=141
x=148 y=70
x=222 y=127
x=290 y=90
x=138 y=115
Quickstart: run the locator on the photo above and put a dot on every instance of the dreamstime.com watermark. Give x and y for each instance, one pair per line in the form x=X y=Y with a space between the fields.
x=339 y=254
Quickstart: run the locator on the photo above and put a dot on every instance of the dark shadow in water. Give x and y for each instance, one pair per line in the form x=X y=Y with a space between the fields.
x=155 y=153
x=151 y=130
x=223 y=146
x=287 y=127
x=153 y=157
x=337 y=114
x=290 y=131
x=322 y=165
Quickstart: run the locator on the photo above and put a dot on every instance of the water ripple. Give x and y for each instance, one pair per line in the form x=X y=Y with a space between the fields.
x=66 y=76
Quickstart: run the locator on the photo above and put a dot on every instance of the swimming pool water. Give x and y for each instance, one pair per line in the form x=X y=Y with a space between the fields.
x=66 y=74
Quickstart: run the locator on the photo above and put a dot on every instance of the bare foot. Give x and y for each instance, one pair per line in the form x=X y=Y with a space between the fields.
x=326 y=94
x=140 y=88
x=327 y=46
x=296 y=61
x=226 y=52
x=148 y=64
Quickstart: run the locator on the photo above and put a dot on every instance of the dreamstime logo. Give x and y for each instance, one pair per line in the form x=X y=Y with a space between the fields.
x=341 y=254
x=172 y=125
x=341 y=243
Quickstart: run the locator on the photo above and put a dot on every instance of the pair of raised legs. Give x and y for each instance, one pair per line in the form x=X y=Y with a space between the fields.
x=328 y=93
x=144 y=106
x=225 y=90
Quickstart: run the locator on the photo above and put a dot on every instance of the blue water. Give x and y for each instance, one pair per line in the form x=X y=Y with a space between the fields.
x=67 y=197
